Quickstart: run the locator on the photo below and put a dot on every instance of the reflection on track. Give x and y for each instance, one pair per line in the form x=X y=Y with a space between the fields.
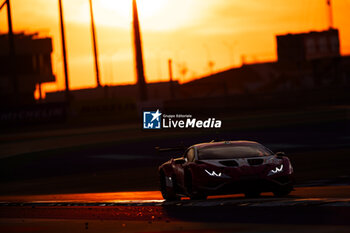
x=305 y=206
x=115 y=197
x=258 y=202
x=303 y=196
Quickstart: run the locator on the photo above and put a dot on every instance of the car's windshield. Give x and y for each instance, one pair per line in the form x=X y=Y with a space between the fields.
x=229 y=151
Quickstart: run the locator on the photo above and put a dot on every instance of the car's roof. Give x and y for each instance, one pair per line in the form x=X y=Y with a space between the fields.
x=233 y=143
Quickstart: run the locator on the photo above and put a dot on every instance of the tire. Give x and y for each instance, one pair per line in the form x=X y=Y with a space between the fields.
x=282 y=192
x=168 y=193
x=198 y=196
x=191 y=191
x=252 y=194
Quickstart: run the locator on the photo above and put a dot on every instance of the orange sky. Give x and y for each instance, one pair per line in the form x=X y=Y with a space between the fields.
x=191 y=32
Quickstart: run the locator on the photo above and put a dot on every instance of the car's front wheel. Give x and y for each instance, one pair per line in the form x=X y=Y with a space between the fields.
x=167 y=187
x=192 y=192
x=283 y=191
x=252 y=194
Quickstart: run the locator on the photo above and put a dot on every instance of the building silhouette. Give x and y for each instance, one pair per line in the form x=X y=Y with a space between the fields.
x=306 y=61
x=303 y=47
x=33 y=66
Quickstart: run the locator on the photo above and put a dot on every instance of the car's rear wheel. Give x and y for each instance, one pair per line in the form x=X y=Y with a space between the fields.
x=167 y=187
x=283 y=191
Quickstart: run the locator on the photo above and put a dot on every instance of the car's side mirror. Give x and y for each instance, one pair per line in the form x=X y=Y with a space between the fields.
x=180 y=161
x=280 y=154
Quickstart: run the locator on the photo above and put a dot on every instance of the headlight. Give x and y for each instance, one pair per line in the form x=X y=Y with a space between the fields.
x=290 y=168
x=273 y=160
x=276 y=170
x=213 y=173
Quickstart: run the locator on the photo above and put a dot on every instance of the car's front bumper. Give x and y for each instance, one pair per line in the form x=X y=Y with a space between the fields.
x=245 y=184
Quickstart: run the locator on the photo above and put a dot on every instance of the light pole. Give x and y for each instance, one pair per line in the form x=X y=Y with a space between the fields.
x=12 y=51
x=138 y=54
x=171 y=80
x=210 y=61
x=94 y=43
x=64 y=51
x=230 y=48
x=330 y=14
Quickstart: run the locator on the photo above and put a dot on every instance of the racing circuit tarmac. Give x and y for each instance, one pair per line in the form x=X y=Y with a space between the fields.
x=307 y=209
x=81 y=187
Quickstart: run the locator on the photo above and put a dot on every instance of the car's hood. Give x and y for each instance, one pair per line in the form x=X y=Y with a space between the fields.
x=239 y=162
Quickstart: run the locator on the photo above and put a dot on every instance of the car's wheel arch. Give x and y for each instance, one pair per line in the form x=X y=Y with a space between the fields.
x=188 y=179
x=166 y=169
x=168 y=192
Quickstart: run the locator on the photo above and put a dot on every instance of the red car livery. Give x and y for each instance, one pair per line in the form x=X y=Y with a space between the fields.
x=226 y=168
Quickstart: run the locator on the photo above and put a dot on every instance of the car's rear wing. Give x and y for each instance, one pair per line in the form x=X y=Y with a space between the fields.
x=170 y=149
x=179 y=148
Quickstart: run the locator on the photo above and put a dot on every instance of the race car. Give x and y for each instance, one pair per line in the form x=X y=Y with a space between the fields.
x=226 y=167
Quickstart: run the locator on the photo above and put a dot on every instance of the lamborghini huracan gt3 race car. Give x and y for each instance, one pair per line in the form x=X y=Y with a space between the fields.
x=226 y=168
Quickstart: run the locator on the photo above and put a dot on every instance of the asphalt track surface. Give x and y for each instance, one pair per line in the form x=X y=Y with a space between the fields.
x=94 y=174
x=307 y=209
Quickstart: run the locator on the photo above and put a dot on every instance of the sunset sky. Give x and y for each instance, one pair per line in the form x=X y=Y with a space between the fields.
x=191 y=32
